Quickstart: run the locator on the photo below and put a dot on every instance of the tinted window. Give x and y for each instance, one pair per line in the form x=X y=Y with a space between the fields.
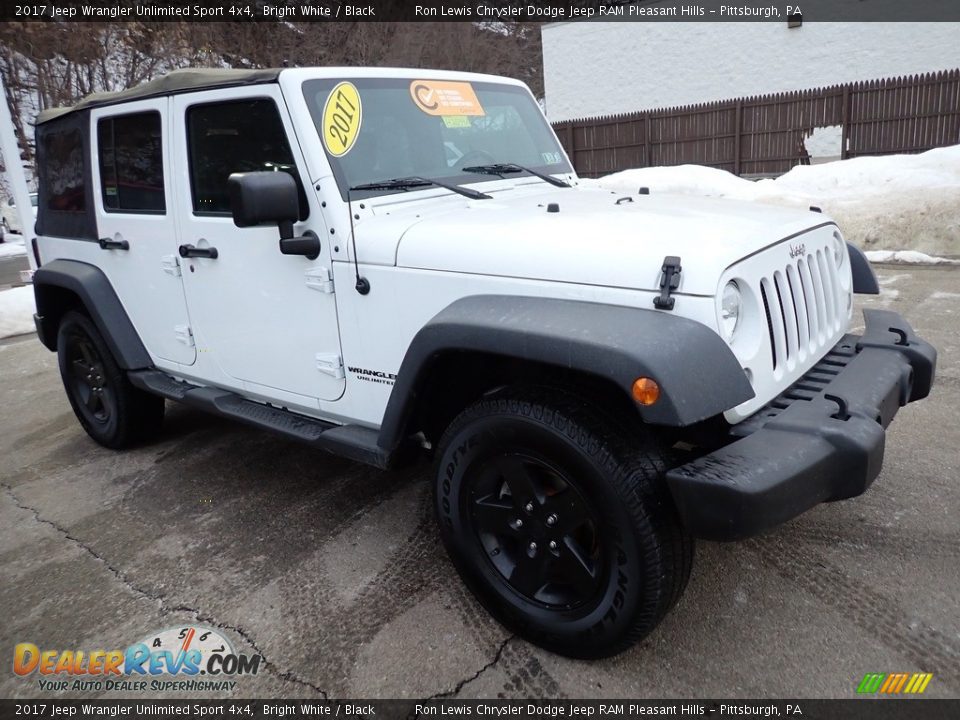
x=61 y=176
x=131 y=163
x=225 y=138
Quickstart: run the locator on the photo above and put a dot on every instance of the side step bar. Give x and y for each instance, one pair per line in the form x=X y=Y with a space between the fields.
x=351 y=441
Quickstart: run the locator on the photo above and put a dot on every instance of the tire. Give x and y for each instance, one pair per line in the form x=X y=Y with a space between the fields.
x=111 y=410
x=620 y=559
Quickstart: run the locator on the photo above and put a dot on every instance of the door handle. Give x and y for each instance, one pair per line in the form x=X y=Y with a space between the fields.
x=108 y=244
x=191 y=251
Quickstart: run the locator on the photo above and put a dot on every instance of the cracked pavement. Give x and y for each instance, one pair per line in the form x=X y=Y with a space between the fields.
x=332 y=571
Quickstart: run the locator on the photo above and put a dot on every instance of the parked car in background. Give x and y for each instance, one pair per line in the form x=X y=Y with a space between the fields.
x=10 y=220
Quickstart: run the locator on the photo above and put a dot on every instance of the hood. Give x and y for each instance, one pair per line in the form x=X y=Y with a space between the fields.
x=595 y=236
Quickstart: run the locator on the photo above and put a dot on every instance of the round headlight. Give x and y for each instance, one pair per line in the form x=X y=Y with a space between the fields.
x=730 y=304
x=839 y=249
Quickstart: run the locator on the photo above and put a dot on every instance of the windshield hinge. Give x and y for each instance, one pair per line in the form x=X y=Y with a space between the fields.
x=669 y=281
x=320 y=279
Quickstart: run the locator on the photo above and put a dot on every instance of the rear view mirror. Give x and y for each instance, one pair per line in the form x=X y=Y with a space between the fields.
x=262 y=198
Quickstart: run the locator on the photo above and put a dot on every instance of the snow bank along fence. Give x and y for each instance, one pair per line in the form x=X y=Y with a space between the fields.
x=764 y=135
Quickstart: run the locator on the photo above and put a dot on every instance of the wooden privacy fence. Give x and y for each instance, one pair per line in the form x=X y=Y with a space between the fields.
x=765 y=135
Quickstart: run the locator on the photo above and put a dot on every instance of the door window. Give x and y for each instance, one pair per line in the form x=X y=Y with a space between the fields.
x=131 y=163
x=230 y=137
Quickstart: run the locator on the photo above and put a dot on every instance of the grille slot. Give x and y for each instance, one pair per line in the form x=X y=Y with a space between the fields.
x=803 y=307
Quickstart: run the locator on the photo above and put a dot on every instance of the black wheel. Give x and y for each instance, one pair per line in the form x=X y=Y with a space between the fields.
x=560 y=526
x=110 y=409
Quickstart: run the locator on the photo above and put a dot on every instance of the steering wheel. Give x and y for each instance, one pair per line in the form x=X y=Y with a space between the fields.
x=476 y=157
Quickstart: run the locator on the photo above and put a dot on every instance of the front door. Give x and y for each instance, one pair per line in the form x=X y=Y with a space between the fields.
x=135 y=219
x=266 y=321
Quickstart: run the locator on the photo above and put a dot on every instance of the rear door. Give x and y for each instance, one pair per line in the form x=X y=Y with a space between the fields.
x=130 y=145
x=268 y=321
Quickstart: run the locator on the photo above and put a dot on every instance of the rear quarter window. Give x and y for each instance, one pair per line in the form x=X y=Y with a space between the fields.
x=64 y=178
x=62 y=183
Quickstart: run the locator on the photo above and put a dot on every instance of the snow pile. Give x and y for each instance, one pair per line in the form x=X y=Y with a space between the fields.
x=911 y=257
x=899 y=201
x=16 y=311
x=12 y=246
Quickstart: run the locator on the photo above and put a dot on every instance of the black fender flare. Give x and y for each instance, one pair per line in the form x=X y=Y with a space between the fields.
x=864 y=279
x=94 y=290
x=697 y=372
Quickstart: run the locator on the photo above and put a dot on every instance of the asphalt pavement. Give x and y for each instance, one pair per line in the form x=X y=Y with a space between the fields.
x=333 y=572
x=10 y=271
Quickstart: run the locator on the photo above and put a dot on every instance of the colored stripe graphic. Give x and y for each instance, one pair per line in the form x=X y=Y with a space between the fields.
x=927 y=677
x=894 y=683
x=871 y=683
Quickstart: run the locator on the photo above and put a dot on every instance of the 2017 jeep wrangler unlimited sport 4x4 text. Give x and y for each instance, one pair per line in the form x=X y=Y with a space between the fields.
x=386 y=262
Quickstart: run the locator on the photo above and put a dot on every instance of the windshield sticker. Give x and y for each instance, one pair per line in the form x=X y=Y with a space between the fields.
x=551 y=158
x=456 y=121
x=342 y=115
x=445 y=99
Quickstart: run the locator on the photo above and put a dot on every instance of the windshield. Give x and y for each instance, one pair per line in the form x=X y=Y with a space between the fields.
x=377 y=129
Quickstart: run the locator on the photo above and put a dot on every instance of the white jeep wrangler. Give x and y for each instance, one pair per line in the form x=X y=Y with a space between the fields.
x=386 y=263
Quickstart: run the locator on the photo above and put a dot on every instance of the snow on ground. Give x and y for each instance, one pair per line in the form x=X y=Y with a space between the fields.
x=911 y=257
x=907 y=202
x=16 y=311
x=12 y=246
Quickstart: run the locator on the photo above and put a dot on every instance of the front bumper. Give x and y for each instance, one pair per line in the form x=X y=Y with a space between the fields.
x=821 y=440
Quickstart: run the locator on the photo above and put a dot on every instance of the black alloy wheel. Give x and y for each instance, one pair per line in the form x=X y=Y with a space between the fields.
x=559 y=520
x=537 y=530
x=112 y=411
x=90 y=384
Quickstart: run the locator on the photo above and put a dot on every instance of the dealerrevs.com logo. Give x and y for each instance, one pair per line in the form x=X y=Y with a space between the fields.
x=186 y=658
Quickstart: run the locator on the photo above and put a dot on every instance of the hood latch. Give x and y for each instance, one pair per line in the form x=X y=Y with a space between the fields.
x=669 y=281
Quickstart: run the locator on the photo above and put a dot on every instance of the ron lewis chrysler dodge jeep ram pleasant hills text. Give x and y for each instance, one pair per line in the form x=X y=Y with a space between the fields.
x=395 y=264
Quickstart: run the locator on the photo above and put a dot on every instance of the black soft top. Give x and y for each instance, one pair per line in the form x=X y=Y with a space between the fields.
x=178 y=81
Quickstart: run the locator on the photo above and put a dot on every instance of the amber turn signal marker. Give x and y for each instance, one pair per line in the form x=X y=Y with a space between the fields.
x=645 y=391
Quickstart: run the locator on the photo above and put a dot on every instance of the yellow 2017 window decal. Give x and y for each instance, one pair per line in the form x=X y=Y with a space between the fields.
x=342 y=115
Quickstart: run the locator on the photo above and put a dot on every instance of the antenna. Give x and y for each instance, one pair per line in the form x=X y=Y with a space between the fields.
x=363 y=285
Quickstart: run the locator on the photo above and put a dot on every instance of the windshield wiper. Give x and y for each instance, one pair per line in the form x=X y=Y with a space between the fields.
x=412 y=182
x=502 y=169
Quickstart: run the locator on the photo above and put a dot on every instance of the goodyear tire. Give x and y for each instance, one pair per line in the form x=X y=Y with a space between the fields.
x=110 y=409
x=559 y=525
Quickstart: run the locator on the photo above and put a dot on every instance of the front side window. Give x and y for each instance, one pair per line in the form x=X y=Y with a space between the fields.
x=131 y=163
x=62 y=171
x=231 y=137
x=376 y=129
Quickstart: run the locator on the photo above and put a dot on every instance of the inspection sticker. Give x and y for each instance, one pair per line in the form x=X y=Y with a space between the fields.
x=342 y=115
x=445 y=99
x=456 y=121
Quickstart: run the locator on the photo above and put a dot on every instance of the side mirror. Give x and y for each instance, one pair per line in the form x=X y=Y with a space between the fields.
x=263 y=198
